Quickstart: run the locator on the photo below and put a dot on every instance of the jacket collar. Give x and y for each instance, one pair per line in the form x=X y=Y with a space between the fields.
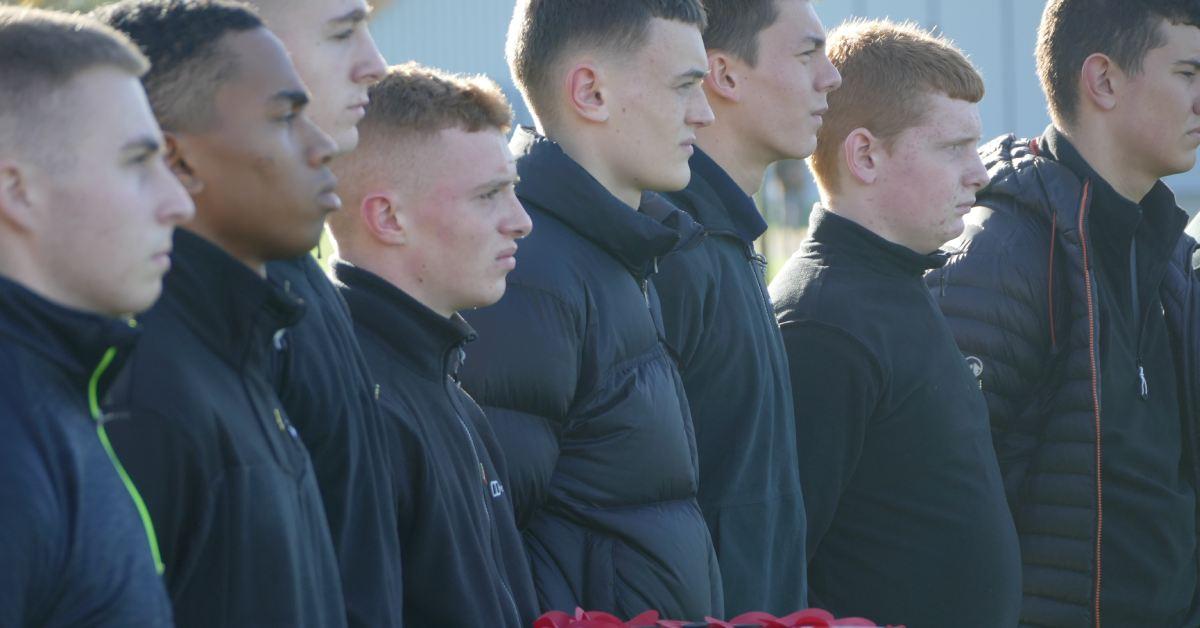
x=558 y=185
x=424 y=341
x=716 y=201
x=1031 y=173
x=76 y=341
x=855 y=244
x=233 y=310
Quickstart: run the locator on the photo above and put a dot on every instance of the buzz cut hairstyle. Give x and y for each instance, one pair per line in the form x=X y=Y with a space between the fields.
x=182 y=39
x=40 y=53
x=1124 y=30
x=734 y=25
x=542 y=32
x=889 y=70
x=412 y=98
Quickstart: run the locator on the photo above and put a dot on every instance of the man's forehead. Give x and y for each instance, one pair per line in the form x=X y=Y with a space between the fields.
x=263 y=63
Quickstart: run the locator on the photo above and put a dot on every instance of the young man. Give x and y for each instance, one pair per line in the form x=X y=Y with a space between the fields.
x=430 y=228
x=767 y=84
x=1072 y=293
x=227 y=481
x=321 y=376
x=84 y=239
x=585 y=397
x=907 y=522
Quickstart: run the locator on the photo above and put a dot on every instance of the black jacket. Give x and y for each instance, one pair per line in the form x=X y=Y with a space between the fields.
x=326 y=389
x=1020 y=294
x=464 y=562
x=907 y=518
x=719 y=321
x=73 y=549
x=588 y=404
x=228 y=483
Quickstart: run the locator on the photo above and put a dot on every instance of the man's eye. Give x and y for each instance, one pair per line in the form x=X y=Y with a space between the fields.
x=343 y=35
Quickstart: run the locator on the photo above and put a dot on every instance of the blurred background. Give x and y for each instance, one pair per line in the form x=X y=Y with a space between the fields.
x=468 y=36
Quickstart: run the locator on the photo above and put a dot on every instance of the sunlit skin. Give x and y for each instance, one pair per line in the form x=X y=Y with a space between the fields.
x=442 y=227
x=773 y=109
x=335 y=55
x=631 y=117
x=92 y=230
x=259 y=171
x=1136 y=128
x=916 y=192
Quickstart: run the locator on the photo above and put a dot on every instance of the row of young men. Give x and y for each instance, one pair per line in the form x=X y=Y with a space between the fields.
x=642 y=422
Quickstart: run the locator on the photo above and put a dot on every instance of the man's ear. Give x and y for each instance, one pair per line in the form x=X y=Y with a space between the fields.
x=176 y=157
x=724 y=76
x=585 y=85
x=1099 y=81
x=861 y=151
x=18 y=199
x=384 y=218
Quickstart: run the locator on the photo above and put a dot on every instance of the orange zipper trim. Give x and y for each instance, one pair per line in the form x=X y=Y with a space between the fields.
x=1091 y=314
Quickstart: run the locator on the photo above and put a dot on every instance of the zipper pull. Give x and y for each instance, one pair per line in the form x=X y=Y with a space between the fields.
x=1143 y=387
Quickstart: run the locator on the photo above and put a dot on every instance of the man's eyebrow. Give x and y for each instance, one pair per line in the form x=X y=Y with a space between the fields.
x=1195 y=63
x=142 y=145
x=816 y=42
x=296 y=98
x=497 y=183
x=355 y=16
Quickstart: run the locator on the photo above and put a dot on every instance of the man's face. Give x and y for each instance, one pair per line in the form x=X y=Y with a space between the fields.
x=1159 y=112
x=263 y=164
x=784 y=94
x=335 y=55
x=463 y=220
x=106 y=213
x=928 y=180
x=655 y=105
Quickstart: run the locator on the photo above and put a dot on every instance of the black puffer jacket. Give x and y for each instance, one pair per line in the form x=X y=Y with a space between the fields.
x=1018 y=294
x=587 y=402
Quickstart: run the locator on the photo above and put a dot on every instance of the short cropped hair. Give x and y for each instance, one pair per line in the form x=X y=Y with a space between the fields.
x=419 y=99
x=888 y=72
x=734 y=26
x=1124 y=30
x=40 y=52
x=542 y=32
x=182 y=39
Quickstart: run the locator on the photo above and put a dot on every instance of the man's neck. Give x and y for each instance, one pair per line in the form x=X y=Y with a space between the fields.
x=745 y=165
x=1101 y=151
x=394 y=272
x=590 y=160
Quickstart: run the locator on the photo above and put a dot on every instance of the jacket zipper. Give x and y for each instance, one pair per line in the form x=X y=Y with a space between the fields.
x=1140 y=318
x=758 y=267
x=138 y=502
x=484 y=500
x=1088 y=281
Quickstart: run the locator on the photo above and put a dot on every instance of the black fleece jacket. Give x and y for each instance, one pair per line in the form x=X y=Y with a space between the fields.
x=73 y=549
x=228 y=483
x=464 y=562
x=908 y=522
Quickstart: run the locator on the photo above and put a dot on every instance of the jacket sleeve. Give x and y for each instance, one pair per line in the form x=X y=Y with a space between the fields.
x=689 y=299
x=524 y=370
x=994 y=293
x=836 y=385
